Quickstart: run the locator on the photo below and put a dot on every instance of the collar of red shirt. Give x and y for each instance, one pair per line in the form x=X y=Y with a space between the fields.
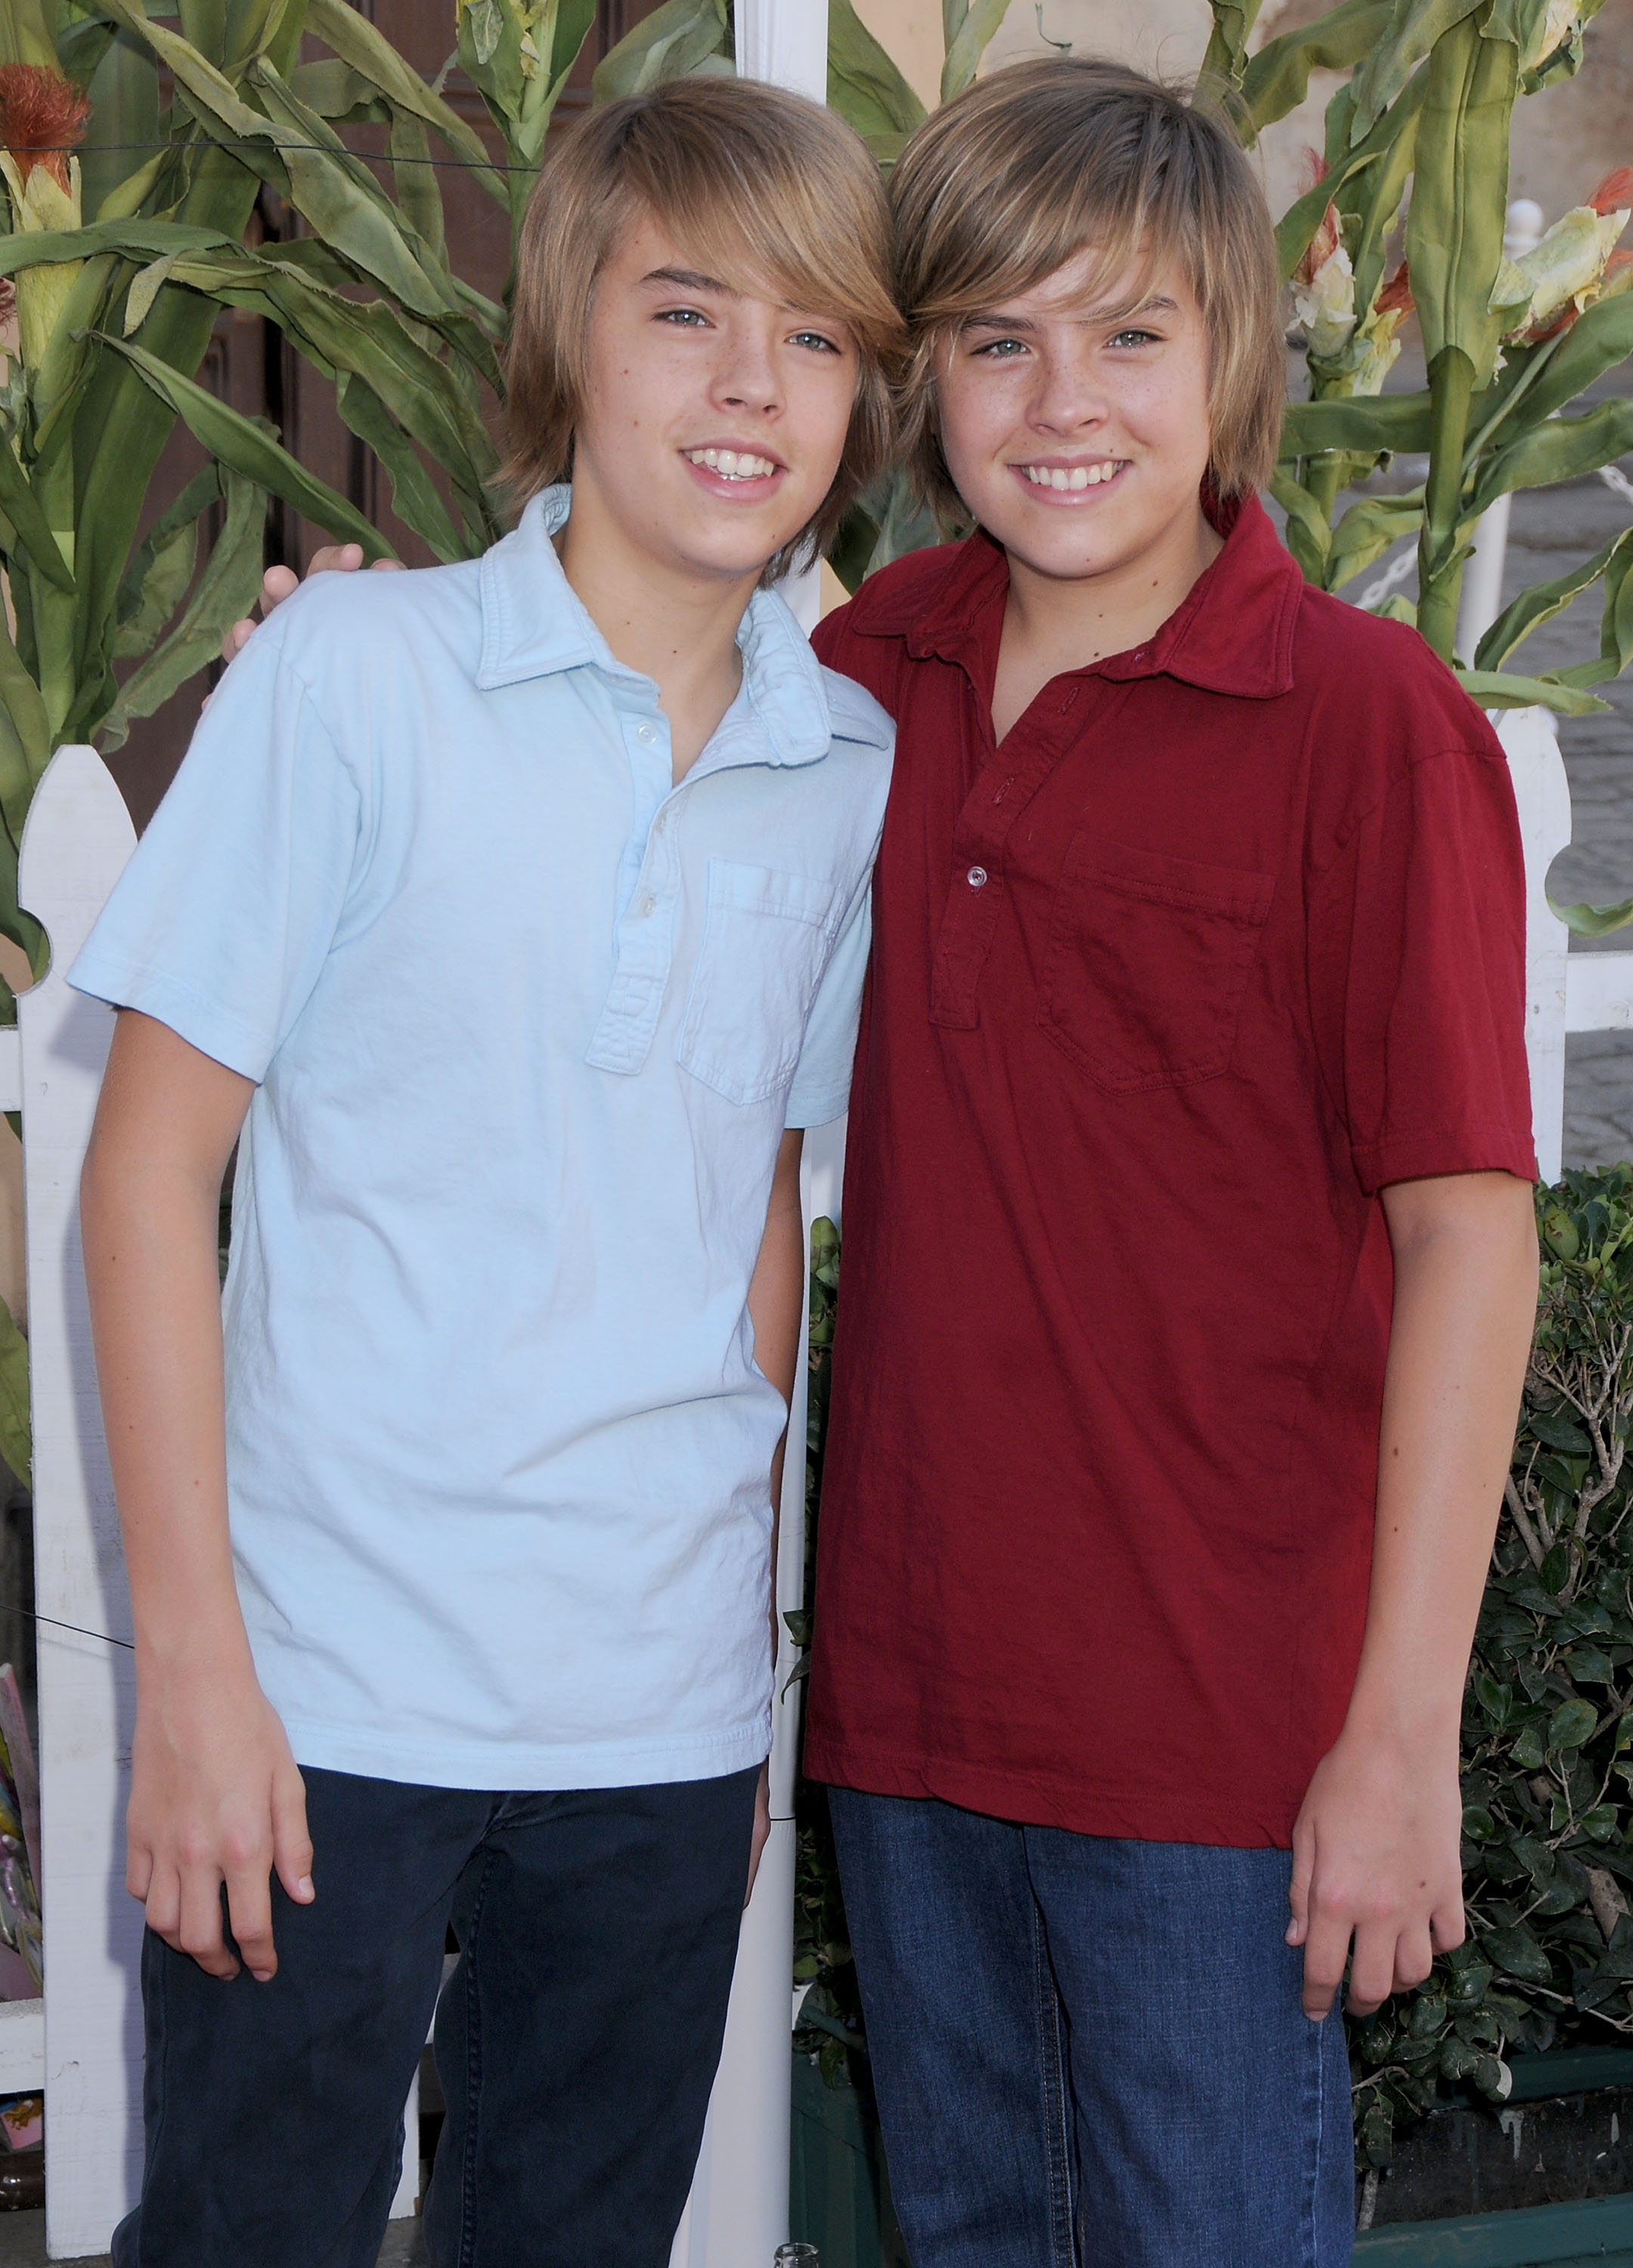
x=1232 y=633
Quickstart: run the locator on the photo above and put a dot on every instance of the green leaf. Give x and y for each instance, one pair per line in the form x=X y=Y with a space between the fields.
x=370 y=54
x=1543 y=601
x=1593 y=920
x=1559 y=449
x=1277 y=78
x=1418 y=28
x=160 y=592
x=227 y=591
x=246 y=448
x=1527 y=1750
x=1368 y=424
x=19 y=503
x=1517 y=1953
x=1493 y=688
x=1309 y=531
x=1571 y=1725
x=24 y=741
x=670 y=43
x=864 y=85
x=1561 y=1432
x=414 y=496
x=17 y=1445
x=1368 y=529
x=1460 y=192
x=965 y=50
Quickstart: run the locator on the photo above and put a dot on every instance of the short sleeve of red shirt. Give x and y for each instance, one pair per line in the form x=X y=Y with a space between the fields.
x=1225 y=936
x=1416 y=969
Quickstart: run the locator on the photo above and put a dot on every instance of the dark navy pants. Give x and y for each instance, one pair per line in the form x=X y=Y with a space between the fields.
x=577 y=2039
x=1090 y=2054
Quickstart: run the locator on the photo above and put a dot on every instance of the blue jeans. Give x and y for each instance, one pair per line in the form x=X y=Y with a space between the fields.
x=1091 y=2051
x=576 y=2038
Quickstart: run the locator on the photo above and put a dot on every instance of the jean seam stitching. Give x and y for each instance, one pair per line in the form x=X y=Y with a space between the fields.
x=473 y=2074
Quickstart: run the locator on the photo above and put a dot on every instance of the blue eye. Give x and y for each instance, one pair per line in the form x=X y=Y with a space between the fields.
x=814 y=339
x=1133 y=338
x=683 y=318
x=1002 y=349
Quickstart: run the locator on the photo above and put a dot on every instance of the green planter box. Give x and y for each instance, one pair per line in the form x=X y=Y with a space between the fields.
x=839 y=2193
x=1599 y=2230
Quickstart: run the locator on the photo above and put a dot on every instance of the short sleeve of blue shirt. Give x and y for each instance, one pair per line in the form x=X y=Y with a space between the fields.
x=221 y=925
x=822 y=1086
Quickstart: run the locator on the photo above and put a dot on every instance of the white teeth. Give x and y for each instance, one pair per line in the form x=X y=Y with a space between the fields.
x=1079 y=477
x=732 y=465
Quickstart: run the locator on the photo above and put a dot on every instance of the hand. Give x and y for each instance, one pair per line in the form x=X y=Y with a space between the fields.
x=215 y=1797
x=278 y=582
x=762 y=1827
x=1376 y=1855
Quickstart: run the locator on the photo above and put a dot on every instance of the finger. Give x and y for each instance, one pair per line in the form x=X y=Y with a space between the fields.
x=292 y=1843
x=1446 y=1925
x=1413 y=1958
x=138 y=1866
x=233 y=641
x=163 y=1904
x=1327 y=1949
x=1298 y=1888
x=198 y=1928
x=249 y=1909
x=335 y=558
x=1372 y=1967
x=395 y=566
x=275 y=586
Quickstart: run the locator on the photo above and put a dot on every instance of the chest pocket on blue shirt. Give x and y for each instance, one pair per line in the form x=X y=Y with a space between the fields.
x=767 y=937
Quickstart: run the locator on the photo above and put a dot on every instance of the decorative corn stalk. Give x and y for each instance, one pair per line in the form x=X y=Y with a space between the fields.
x=1416 y=162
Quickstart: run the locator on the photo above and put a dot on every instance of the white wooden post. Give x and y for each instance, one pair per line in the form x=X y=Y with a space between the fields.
x=1565 y=991
x=76 y=842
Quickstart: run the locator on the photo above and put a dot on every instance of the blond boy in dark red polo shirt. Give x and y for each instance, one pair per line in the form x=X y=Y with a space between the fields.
x=1188 y=1259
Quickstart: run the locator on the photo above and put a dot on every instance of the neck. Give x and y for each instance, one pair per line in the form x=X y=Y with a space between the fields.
x=1087 y=617
x=671 y=623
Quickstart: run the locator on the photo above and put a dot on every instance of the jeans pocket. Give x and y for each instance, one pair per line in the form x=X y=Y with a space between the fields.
x=1147 y=961
x=767 y=939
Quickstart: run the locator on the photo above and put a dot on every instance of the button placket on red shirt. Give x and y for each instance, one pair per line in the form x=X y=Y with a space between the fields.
x=1006 y=782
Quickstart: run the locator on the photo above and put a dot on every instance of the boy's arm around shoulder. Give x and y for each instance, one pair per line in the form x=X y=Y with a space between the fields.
x=216 y=1797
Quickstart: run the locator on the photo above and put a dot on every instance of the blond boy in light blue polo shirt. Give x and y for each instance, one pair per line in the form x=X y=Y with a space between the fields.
x=511 y=917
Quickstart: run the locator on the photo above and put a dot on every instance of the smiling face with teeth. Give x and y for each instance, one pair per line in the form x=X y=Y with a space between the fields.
x=713 y=420
x=1079 y=438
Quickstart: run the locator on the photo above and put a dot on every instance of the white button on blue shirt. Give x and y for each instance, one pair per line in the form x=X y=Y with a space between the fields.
x=526 y=1021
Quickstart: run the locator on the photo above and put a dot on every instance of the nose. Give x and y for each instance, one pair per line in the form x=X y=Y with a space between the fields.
x=747 y=376
x=1070 y=395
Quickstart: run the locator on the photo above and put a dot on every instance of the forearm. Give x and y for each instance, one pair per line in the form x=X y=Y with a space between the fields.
x=776 y=1299
x=1465 y=1302
x=148 y=1217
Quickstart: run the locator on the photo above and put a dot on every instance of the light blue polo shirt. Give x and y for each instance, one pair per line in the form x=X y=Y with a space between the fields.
x=527 y=1022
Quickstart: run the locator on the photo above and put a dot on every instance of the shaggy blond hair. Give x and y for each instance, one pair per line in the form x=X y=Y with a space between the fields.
x=1052 y=157
x=772 y=194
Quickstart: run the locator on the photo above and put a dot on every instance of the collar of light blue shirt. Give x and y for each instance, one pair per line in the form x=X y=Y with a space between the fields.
x=534 y=625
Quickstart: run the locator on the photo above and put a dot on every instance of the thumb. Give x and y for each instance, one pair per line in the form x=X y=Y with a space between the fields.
x=291 y=1844
x=1298 y=1888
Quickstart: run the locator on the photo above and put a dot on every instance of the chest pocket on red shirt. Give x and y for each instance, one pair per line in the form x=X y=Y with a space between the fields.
x=1147 y=960
x=766 y=936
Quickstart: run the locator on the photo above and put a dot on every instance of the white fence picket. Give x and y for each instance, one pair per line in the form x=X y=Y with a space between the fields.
x=75 y=845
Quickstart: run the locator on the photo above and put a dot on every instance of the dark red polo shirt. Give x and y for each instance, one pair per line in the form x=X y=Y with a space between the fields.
x=1228 y=933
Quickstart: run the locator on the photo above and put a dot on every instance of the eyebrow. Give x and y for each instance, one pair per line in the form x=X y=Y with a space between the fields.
x=1158 y=305
x=687 y=279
